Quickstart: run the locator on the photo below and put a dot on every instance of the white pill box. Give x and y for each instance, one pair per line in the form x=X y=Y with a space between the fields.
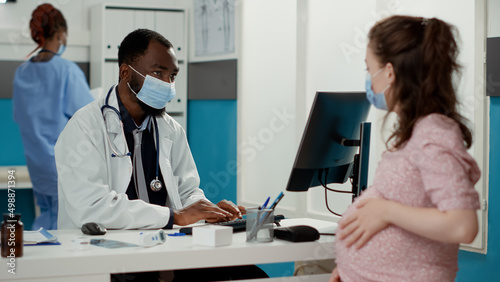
x=212 y=235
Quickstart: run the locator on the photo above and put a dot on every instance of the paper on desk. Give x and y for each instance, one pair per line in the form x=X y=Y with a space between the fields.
x=38 y=237
x=111 y=244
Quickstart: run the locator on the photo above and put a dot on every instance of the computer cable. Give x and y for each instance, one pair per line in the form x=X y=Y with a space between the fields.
x=329 y=189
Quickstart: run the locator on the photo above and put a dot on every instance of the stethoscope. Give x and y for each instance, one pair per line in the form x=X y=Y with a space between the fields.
x=155 y=184
x=48 y=51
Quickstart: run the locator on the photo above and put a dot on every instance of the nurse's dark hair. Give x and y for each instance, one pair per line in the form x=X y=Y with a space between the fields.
x=423 y=53
x=45 y=22
x=136 y=43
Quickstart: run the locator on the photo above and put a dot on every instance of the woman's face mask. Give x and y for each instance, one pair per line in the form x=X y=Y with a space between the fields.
x=61 y=50
x=376 y=99
x=62 y=46
x=155 y=92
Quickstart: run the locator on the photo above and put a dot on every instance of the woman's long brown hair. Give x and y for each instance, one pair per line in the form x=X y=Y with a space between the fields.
x=423 y=53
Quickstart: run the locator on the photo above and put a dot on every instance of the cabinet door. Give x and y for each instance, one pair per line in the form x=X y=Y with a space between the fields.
x=181 y=88
x=178 y=104
x=110 y=76
x=118 y=23
x=145 y=19
x=171 y=25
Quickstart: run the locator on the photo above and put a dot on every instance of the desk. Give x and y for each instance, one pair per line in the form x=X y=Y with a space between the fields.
x=64 y=263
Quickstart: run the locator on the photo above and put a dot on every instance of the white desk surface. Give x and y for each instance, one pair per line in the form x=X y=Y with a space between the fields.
x=64 y=263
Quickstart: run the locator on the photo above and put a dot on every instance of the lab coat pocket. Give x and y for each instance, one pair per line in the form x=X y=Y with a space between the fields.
x=121 y=173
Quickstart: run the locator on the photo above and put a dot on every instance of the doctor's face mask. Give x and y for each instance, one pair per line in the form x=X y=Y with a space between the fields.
x=155 y=92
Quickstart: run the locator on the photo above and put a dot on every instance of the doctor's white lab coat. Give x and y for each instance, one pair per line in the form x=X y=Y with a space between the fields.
x=92 y=184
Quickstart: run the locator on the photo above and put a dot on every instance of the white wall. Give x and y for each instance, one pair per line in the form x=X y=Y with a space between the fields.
x=266 y=99
x=336 y=37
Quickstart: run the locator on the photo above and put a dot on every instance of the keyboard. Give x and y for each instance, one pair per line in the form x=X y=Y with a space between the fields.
x=239 y=225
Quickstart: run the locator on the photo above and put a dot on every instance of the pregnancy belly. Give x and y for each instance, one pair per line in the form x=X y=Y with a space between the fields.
x=395 y=252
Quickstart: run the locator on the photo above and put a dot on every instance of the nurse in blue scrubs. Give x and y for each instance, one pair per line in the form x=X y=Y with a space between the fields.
x=48 y=90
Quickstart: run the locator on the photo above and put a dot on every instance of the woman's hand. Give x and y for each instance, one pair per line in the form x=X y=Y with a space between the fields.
x=375 y=214
x=369 y=218
x=335 y=277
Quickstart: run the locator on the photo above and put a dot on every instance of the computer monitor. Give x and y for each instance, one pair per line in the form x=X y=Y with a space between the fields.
x=328 y=151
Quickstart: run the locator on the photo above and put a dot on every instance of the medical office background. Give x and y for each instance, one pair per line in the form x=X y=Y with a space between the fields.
x=284 y=51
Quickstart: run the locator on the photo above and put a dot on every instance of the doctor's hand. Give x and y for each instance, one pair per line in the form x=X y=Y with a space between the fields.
x=236 y=211
x=197 y=211
x=369 y=218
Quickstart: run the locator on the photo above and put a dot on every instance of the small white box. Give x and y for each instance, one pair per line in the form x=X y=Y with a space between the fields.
x=213 y=235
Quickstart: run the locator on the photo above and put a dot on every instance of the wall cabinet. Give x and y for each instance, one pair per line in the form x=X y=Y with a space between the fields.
x=111 y=23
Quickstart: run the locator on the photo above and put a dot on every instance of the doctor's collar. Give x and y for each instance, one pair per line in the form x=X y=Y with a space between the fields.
x=128 y=122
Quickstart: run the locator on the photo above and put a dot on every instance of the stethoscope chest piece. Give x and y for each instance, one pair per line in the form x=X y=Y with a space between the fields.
x=156 y=185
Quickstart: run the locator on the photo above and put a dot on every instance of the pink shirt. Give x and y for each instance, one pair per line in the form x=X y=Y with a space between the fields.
x=432 y=170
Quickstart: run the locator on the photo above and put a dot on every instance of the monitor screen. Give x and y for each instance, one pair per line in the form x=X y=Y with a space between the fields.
x=331 y=140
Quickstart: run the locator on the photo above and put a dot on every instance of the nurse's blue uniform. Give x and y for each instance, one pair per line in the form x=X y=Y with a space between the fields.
x=46 y=95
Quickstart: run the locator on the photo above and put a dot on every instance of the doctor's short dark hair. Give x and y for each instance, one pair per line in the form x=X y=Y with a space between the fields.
x=136 y=43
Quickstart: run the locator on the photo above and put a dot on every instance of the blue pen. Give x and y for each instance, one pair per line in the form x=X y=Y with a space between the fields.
x=177 y=234
x=265 y=203
x=273 y=205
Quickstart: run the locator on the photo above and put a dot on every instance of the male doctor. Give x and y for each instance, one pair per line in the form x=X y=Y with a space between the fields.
x=125 y=163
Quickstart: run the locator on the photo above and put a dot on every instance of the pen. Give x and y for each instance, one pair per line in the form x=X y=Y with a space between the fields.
x=278 y=199
x=265 y=204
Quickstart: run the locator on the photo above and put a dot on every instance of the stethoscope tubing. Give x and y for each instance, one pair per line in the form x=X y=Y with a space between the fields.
x=107 y=106
x=115 y=152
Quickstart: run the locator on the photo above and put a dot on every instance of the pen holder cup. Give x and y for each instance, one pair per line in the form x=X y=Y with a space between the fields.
x=260 y=225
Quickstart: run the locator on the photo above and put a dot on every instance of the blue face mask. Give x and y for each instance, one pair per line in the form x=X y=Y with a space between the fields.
x=376 y=99
x=61 y=50
x=155 y=93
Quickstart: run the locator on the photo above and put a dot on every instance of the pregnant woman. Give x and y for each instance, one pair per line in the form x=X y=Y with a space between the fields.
x=408 y=225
